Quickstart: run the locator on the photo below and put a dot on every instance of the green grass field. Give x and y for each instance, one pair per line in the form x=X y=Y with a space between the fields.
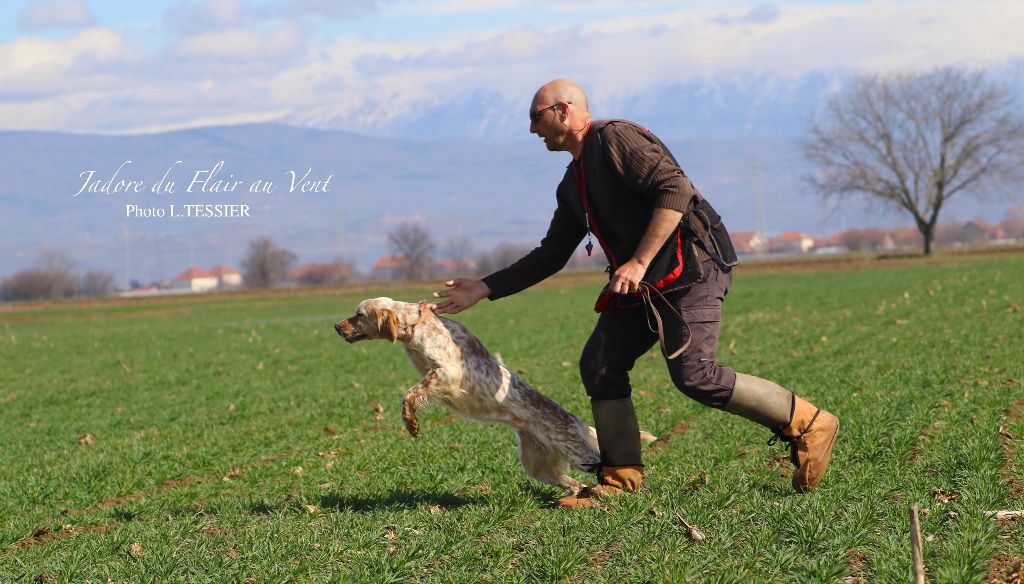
x=237 y=438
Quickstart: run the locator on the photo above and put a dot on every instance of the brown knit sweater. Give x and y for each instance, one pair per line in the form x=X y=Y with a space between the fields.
x=626 y=172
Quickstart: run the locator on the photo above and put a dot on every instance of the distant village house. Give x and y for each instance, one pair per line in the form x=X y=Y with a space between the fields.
x=195 y=280
x=226 y=277
x=748 y=242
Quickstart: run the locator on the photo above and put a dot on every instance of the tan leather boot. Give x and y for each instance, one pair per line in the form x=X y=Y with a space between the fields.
x=811 y=433
x=615 y=480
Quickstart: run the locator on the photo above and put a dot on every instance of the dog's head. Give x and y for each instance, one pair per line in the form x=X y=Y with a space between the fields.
x=376 y=318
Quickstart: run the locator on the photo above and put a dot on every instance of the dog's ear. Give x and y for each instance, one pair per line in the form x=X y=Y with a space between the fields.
x=387 y=324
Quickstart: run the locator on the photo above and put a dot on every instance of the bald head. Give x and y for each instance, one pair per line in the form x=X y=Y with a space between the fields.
x=560 y=116
x=562 y=90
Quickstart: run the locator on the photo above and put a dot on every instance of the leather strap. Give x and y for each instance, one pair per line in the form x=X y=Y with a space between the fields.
x=646 y=289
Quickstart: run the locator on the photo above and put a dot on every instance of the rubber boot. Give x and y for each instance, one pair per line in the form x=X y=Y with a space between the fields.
x=618 y=437
x=809 y=431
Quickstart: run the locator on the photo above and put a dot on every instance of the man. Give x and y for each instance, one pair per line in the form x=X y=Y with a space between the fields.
x=670 y=259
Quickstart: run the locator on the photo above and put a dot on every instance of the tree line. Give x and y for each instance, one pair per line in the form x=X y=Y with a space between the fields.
x=266 y=264
x=54 y=277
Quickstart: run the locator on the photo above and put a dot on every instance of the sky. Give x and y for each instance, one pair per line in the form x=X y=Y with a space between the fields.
x=120 y=67
x=730 y=72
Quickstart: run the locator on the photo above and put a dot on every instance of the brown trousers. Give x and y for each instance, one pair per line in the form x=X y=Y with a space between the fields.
x=622 y=335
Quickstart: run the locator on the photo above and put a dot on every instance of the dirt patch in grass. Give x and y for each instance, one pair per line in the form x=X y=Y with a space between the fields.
x=215 y=532
x=1010 y=479
x=115 y=501
x=664 y=439
x=596 y=563
x=922 y=441
x=855 y=562
x=43 y=535
x=1005 y=570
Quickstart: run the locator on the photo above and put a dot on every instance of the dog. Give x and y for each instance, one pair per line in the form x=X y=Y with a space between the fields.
x=459 y=372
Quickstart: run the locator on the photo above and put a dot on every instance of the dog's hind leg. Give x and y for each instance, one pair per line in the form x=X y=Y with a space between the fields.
x=545 y=464
x=578 y=444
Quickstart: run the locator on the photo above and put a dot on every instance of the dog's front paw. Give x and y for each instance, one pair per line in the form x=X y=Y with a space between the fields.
x=409 y=417
x=413 y=426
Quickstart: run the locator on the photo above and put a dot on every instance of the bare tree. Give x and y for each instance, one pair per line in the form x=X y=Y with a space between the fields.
x=1013 y=224
x=459 y=250
x=95 y=283
x=29 y=284
x=60 y=269
x=870 y=238
x=265 y=264
x=52 y=277
x=912 y=141
x=951 y=232
x=503 y=255
x=337 y=272
x=1016 y=212
x=416 y=246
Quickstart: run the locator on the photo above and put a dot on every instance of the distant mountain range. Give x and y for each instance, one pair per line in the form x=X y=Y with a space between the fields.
x=480 y=176
x=752 y=105
x=727 y=105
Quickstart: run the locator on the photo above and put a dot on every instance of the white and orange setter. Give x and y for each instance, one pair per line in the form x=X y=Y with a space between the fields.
x=459 y=372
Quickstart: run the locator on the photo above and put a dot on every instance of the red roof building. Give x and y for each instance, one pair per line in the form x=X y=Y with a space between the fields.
x=393 y=267
x=792 y=242
x=195 y=279
x=226 y=277
x=192 y=274
x=747 y=242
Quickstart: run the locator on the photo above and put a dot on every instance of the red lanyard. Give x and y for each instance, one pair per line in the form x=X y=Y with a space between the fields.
x=581 y=186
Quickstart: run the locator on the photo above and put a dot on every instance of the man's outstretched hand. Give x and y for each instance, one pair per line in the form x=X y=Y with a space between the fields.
x=461 y=293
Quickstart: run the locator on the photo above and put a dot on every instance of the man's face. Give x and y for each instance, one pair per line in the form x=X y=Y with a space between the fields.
x=546 y=120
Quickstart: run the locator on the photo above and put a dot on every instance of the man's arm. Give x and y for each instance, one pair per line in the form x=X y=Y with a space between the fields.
x=648 y=168
x=663 y=223
x=564 y=233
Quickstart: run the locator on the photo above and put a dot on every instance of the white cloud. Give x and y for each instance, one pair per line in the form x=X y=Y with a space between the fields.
x=330 y=9
x=287 y=40
x=760 y=14
x=55 y=14
x=189 y=18
x=34 y=65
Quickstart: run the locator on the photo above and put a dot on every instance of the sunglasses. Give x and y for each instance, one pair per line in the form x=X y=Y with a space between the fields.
x=535 y=116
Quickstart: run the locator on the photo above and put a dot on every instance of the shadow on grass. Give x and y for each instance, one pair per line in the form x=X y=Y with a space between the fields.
x=398 y=499
x=393 y=500
x=123 y=515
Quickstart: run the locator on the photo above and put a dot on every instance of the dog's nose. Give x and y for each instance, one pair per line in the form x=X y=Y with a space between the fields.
x=337 y=327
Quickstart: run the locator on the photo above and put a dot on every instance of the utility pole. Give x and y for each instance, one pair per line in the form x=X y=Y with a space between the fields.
x=759 y=221
x=127 y=259
x=339 y=241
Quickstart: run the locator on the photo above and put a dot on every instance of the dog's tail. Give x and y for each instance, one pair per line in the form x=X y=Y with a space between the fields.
x=645 y=436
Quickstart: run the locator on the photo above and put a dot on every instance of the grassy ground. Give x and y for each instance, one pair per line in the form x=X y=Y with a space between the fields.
x=238 y=438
